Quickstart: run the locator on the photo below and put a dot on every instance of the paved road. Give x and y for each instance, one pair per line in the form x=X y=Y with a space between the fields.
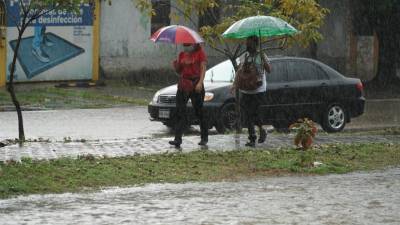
x=90 y=124
x=133 y=122
x=358 y=198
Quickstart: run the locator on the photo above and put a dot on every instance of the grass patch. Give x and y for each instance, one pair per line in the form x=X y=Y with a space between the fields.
x=72 y=175
x=375 y=131
x=47 y=96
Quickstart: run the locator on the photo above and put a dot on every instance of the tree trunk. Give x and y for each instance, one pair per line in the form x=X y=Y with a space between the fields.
x=10 y=88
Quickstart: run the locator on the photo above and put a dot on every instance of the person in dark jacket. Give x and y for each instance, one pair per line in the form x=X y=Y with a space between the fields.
x=191 y=65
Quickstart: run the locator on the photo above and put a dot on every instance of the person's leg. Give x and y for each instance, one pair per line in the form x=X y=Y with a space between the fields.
x=247 y=105
x=180 y=117
x=45 y=40
x=252 y=108
x=37 y=37
x=259 y=119
x=197 y=102
x=37 y=40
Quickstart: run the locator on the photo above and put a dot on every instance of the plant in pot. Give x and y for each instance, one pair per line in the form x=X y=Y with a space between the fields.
x=305 y=132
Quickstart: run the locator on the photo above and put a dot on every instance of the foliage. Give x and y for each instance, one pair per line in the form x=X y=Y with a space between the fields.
x=305 y=15
x=305 y=132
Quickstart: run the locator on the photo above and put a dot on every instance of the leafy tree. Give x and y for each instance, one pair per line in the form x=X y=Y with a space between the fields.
x=29 y=11
x=381 y=17
x=305 y=15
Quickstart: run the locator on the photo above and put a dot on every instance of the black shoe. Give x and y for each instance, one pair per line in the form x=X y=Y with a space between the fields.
x=251 y=144
x=263 y=136
x=203 y=142
x=176 y=143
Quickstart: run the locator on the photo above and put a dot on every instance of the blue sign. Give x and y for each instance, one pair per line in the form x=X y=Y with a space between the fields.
x=54 y=17
x=56 y=46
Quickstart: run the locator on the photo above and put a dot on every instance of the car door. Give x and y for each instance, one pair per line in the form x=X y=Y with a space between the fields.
x=306 y=87
x=275 y=97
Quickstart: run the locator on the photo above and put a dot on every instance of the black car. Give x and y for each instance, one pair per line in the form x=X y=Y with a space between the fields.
x=296 y=88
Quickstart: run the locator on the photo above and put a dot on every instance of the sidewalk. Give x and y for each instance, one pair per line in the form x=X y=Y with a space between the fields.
x=141 y=146
x=127 y=131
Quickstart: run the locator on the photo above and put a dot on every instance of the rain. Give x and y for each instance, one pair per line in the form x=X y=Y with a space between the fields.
x=221 y=112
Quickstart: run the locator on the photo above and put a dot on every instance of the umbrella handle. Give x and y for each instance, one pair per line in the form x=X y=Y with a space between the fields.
x=259 y=41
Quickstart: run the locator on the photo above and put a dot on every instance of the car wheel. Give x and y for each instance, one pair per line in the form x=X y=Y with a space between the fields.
x=334 y=118
x=227 y=119
x=281 y=126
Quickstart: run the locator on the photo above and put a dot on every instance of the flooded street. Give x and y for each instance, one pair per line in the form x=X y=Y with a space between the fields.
x=358 y=198
x=133 y=122
x=90 y=124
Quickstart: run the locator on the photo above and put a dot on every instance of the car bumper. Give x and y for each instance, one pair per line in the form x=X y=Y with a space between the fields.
x=166 y=113
x=357 y=107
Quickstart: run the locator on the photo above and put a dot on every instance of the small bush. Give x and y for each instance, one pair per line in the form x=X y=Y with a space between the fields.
x=305 y=132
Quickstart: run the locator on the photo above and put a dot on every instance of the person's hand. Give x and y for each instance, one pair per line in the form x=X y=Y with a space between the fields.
x=199 y=87
x=177 y=66
x=232 y=90
x=267 y=65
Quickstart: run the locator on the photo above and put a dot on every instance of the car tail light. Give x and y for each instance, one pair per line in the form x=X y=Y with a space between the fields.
x=360 y=86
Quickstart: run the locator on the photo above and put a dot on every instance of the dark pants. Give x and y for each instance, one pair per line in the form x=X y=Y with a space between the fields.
x=181 y=116
x=250 y=106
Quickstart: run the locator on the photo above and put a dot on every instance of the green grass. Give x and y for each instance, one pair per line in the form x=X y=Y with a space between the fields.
x=48 y=97
x=73 y=175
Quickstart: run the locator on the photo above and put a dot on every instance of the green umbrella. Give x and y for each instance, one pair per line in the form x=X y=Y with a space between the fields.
x=264 y=26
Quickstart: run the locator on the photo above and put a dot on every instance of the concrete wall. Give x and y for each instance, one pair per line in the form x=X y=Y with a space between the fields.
x=333 y=50
x=125 y=44
x=352 y=55
x=126 y=50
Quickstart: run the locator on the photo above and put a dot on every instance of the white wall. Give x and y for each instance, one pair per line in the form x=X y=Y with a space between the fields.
x=124 y=40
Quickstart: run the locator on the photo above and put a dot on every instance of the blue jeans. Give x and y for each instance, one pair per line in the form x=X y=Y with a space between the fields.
x=38 y=35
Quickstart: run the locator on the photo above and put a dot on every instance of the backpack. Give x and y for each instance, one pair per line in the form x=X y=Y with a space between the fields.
x=248 y=77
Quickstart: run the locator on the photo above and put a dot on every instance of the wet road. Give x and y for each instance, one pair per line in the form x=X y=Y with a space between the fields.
x=90 y=124
x=358 y=198
x=133 y=122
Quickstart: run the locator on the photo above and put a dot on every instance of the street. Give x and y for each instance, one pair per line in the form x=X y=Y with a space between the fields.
x=90 y=124
x=133 y=122
x=357 y=198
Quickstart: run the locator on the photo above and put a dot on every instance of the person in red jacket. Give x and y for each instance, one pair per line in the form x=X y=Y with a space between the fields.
x=191 y=65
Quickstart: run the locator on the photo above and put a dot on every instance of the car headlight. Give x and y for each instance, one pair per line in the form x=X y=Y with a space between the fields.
x=155 y=97
x=208 y=96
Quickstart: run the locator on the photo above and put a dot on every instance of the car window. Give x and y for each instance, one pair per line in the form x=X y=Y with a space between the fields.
x=278 y=72
x=330 y=72
x=303 y=70
x=222 y=72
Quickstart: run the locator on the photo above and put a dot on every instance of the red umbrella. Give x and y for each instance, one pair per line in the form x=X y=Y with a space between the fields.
x=176 y=34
